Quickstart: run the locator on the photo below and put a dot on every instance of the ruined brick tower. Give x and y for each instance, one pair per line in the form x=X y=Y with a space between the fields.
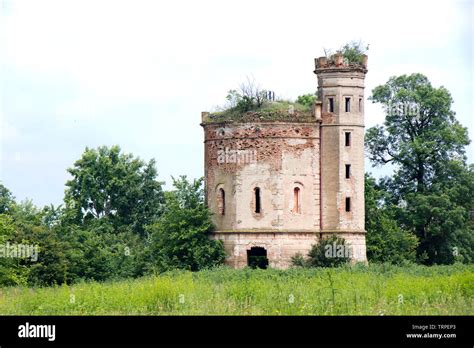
x=277 y=185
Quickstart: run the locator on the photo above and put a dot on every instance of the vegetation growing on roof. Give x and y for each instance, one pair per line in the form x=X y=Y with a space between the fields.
x=281 y=110
x=353 y=52
x=251 y=103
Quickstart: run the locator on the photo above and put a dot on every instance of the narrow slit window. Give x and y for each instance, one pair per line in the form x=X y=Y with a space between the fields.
x=296 y=200
x=348 y=138
x=348 y=203
x=257 y=201
x=221 y=201
x=360 y=104
x=348 y=104
x=348 y=171
x=331 y=104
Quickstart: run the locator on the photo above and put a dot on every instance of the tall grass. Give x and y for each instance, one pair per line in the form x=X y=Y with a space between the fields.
x=357 y=290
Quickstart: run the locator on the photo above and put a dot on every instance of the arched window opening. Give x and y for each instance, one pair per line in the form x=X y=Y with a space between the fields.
x=258 y=207
x=297 y=200
x=221 y=201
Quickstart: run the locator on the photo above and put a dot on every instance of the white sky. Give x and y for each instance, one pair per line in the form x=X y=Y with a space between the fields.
x=139 y=73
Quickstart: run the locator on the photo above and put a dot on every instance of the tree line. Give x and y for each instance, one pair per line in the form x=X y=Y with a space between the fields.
x=116 y=220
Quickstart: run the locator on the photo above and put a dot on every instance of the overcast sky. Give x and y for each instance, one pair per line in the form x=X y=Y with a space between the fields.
x=139 y=73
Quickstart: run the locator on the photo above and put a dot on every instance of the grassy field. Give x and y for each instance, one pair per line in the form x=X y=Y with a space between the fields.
x=358 y=290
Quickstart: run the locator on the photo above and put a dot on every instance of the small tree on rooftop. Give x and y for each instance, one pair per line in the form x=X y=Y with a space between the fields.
x=306 y=99
x=249 y=96
x=352 y=51
x=253 y=91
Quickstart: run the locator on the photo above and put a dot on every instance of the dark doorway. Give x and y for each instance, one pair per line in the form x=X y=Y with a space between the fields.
x=257 y=258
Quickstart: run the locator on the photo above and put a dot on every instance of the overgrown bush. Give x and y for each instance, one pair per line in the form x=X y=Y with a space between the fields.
x=298 y=260
x=329 y=252
x=306 y=100
x=249 y=96
x=352 y=52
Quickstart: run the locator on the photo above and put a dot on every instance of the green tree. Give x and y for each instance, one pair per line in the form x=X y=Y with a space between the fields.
x=117 y=187
x=35 y=227
x=442 y=214
x=249 y=96
x=12 y=270
x=180 y=238
x=7 y=201
x=306 y=99
x=25 y=225
x=426 y=144
x=386 y=240
x=101 y=252
x=354 y=51
x=52 y=265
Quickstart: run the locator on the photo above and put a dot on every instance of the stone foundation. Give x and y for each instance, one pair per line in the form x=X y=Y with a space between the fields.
x=282 y=246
